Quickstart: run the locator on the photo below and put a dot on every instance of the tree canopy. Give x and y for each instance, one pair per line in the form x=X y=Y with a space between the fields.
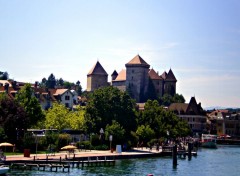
x=60 y=117
x=167 y=99
x=4 y=75
x=12 y=118
x=161 y=121
x=107 y=104
x=29 y=102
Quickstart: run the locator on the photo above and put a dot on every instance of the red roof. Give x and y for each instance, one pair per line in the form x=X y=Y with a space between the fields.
x=153 y=75
x=121 y=76
x=97 y=70
x=170 y=76
x=137 y=60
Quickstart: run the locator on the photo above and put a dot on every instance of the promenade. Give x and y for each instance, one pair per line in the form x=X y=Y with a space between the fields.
x=85 y=153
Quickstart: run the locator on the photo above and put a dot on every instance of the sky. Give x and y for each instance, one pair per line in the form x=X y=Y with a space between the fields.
x=198 y=40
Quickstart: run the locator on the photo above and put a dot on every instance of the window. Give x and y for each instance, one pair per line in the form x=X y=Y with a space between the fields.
x=67 y=105
x=132 y=71
x=67 y=97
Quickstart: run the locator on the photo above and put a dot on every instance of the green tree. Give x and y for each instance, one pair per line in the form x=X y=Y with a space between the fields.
x=4 y=75
x=57 y=117
x=107 y=104
x=60 y=82
x=116 y=131
x=77 y=120
x=79 y=88
x=12 y=118
x=31 y=105
x=68 y=85
x=60 y=117
x=51 y=81
x=178 y=98
x=162 y=121
x=152 y=116
x=167 y=99
x=145 y=133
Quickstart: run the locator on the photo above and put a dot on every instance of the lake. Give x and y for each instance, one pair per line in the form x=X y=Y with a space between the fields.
x=220 y=162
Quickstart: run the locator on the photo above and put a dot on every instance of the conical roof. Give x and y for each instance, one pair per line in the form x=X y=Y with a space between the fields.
x=164 y=75
x=137 y=60
x=121 y=76
x=114 y=73
x=170 y=76
x=153 y=75
x=97 y=70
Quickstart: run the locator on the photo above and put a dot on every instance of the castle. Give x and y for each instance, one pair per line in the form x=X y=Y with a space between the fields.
x=141 y=82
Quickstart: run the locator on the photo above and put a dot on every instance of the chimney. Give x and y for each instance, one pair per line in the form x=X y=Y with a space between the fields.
x=36 y=84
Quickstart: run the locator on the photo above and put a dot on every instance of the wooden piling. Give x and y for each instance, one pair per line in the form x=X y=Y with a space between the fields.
x=174 y=155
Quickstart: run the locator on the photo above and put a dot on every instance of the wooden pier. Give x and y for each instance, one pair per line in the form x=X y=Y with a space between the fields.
x=62 y=165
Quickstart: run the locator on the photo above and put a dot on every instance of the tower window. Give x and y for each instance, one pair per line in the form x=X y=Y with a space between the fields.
x=132 y=71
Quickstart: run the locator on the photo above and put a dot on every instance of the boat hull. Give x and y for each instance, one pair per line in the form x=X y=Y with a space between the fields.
x=4 y=170
x=209 y=144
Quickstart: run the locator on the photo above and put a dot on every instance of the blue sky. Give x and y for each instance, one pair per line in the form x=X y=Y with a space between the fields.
x=198 y=40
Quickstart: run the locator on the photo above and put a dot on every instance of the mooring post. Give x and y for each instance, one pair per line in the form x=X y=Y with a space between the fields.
x=174 y=155
x=189 y=150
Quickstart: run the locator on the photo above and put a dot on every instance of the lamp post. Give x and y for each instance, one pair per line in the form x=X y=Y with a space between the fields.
x=167 y=136
x=36 y=142
x=110 y=140
x=101 y=134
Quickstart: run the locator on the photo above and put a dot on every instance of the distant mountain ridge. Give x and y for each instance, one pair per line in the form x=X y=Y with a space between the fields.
x=221 y=107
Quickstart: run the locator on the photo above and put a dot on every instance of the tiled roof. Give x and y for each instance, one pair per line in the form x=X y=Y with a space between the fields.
x=97 y=70
x=57 y=91
x=137 y=60
x=153 y=75
x=164 y=75
x=170 y=76
x=121 y=76
x=178 y=107
x=114 y=73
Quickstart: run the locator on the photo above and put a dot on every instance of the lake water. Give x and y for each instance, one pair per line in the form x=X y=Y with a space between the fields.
x=220 y=162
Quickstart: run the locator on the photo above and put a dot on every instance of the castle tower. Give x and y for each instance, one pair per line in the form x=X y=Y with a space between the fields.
x=137 y=78
x=114 y=75
x=155 y=86
x=170 y=83
x=97 y=77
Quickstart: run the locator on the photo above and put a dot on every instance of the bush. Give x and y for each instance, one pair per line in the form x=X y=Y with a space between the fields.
x=101 y=147
x=84 y=145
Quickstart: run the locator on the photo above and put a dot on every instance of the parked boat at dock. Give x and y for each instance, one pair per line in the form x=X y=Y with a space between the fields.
x=4 y=169
x=209 y=141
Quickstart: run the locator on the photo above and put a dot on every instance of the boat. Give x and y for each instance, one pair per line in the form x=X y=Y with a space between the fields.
x=3 y=169
x=209 y=141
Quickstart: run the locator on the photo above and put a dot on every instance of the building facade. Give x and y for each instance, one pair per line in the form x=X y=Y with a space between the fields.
x=192 y=113
x=137 y=79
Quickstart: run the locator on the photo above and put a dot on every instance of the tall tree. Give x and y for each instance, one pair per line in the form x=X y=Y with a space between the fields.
x=167 y=99
x=31 y=105
x=68 y=85
x=60 y=82
x=4 y=75
x=51 y=82
x=107 y=104
x=162 y=121
x=13 y=118
x=79 y=88
x=60 y=117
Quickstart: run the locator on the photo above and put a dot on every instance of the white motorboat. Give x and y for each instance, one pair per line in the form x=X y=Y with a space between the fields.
x=4 y=169
x=209 y=141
